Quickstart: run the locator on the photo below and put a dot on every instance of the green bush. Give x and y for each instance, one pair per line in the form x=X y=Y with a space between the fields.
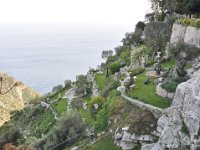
x=169 y=86
x=197 y=23
x=171 y=20
x=115 y=67
x=170 y=83
x=102 y=120
x=68 y=126
x=162 y=16
x=97 y=100
x=184 y=128
x=190 y=22
x=149 y=63
x=125 y=57
x=111 y=85
x=115 y=103
x=136 y=71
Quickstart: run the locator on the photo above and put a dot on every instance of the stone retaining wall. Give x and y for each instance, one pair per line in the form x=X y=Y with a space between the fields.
x=163 y=93
x=157 y=112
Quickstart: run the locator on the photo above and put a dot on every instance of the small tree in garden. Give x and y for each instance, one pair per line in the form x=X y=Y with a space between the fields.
x=82 y=85
x=106 y=55
x=157 y=35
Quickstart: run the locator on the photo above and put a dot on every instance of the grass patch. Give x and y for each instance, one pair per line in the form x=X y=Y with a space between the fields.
x=86 y=98
x=86 y=114
x=104 y=144
x=61 y=106
x=147 y=93
x=101 y=80
x=61 y=93
x=169 y=63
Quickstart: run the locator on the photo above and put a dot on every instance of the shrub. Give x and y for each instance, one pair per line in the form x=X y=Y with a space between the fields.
x=115 y=67
x=162 y=16
x=184 y=128
x=112 y=59
x=197 y=23
x=76 y=103
x=97 y=100
x=68 y=126
x=149 y=62
x=190 y=22
x=171 y=20
x=114 y=102
x=102 y=120
x=125 y=57
x=111 y=85
x=136 y=71
x=170 y=83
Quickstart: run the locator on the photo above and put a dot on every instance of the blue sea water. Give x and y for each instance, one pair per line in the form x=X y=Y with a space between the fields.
x=45 y=55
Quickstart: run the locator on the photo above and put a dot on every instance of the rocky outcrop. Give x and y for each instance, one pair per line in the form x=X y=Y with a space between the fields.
x=179 y=126
x=189 y=35
x=16 y=99
x=178 y=33
x=127 y=141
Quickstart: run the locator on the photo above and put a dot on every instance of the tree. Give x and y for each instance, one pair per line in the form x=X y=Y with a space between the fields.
x=193 y=6
x=66 y=131
x=121 y=49
x=82 y=85
x=67 y=83
x=140 y=25
x=183 y=52
x=57 y=88
x=181 y=6
x=157 y=35
x=106 y=55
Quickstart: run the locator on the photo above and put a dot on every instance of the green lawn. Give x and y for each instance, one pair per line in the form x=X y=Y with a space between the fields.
x=169 y=64
x=147 y=93
x=61 y=106
x=104 y=144
x=101 y=81
x=62 y=93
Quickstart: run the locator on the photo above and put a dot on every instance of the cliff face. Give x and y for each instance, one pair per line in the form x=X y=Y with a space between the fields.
x=15 y=99
x=179 y=126
x=189 y=35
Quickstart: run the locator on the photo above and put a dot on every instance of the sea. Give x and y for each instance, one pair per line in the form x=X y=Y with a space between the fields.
x=45 y=55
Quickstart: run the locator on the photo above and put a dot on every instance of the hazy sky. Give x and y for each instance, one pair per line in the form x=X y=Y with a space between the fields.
x=83 y=11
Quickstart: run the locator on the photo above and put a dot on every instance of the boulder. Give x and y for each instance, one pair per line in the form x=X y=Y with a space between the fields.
x=147 y=146
x=118 y=136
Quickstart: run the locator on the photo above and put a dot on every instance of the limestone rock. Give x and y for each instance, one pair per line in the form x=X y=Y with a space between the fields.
x=178 y=33
x=189 y=35
x=15 y=99
x=183 y=113
x=192 y=36
x=147 y=146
